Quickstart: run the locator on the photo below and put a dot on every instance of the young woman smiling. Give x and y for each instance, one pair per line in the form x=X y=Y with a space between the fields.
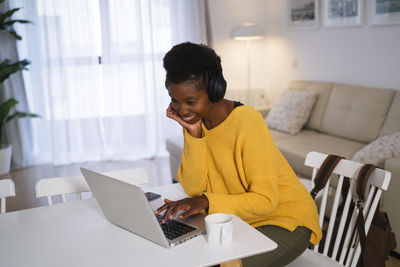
x=230 y=163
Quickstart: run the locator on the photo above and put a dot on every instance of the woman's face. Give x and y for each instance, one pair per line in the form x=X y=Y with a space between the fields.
x=191 y=103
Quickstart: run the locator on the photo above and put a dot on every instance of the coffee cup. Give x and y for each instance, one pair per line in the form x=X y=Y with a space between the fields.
x=219 y=227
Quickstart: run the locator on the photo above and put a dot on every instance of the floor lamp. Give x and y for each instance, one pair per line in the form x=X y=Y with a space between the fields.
x=248 y=32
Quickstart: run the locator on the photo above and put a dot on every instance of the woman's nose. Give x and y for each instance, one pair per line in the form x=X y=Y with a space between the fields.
x=183 y=111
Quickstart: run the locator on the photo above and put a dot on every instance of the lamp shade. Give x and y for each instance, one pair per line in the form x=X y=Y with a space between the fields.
x=247 y=31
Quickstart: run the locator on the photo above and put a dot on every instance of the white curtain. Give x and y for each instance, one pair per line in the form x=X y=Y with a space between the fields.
x=97 y=78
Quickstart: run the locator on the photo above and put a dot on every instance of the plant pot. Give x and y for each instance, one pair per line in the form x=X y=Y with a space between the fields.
x=5 y=159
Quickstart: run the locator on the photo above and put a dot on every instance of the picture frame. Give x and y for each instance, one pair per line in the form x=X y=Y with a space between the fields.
x=303 y=14
x=384 y=12
x=343 y=13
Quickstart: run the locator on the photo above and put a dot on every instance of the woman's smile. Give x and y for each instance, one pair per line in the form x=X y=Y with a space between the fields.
x=189 y=119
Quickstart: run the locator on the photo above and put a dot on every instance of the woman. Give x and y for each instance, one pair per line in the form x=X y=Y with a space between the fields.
x=230 y=163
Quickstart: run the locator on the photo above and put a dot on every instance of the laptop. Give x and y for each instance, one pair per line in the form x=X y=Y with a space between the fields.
x=126 y=206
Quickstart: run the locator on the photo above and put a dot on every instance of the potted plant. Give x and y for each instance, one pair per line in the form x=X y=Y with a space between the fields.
x=7 y=107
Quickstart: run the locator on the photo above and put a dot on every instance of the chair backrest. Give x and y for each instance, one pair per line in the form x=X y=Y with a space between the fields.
x=378 y=181
x=7 y=189
x=76 y=185
x=61 y=186
x=136 y=176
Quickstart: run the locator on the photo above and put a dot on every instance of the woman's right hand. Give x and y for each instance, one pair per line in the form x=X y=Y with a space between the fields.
x=193 y=129
x=191 y=205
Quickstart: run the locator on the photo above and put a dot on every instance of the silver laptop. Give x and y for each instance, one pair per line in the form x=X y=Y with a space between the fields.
x=126 y=206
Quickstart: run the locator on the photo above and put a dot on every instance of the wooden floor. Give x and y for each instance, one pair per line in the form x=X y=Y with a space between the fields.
x=25 y=178
x=393 y=262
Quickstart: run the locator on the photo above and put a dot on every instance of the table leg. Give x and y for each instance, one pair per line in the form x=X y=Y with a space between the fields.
x=234 y=263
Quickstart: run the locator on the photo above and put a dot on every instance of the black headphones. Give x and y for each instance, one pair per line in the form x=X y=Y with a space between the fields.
x=216 y=82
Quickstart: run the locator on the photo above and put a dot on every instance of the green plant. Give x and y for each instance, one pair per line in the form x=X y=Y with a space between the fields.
x=6 y=23
x=7 y=108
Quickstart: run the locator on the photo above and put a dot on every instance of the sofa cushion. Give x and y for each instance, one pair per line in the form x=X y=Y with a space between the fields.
x=355 y=112
x=323 y=90
x=295 y=148
x=383 y=148
x=278 y=135
x=291 y=111
x=175 y=146
x=392 y=121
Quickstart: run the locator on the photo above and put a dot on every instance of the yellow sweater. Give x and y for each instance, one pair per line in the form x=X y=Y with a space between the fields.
x=241 y=171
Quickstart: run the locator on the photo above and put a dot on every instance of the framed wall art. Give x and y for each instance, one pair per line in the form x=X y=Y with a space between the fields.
x=384 y=12
x=343 y=13
x=303 y=14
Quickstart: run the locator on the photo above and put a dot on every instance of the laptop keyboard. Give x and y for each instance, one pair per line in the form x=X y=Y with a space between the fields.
x=173 y=229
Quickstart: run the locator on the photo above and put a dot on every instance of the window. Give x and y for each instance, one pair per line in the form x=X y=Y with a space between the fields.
x=106 y=51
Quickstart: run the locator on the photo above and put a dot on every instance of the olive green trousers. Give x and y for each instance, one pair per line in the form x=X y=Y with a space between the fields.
x=290 y=246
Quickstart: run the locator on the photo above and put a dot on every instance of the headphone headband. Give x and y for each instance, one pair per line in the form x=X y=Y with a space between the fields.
x=216 y=82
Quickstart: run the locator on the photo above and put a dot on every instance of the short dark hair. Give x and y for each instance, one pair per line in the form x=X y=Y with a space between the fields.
x=190 y=62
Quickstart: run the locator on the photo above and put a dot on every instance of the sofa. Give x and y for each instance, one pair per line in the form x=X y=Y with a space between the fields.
x=343 y=120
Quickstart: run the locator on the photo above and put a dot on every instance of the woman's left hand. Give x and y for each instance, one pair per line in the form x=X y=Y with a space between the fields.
x=193 y=129
x=191 y=205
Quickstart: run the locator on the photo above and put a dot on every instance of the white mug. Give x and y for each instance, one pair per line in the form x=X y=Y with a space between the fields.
x=219 y=227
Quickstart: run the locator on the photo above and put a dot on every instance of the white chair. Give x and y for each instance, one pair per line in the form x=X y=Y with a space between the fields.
x=7 y=189
x=378 y=181
x=76 y=185
x=136 y=176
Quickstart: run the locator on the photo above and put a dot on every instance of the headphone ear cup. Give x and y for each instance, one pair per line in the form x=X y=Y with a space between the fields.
x=216 y=88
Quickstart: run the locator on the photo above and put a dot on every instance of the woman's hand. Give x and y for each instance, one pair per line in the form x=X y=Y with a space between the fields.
x=192 y=205
x=193 y=129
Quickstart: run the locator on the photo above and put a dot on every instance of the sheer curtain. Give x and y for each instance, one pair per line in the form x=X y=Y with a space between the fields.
x=96 y=76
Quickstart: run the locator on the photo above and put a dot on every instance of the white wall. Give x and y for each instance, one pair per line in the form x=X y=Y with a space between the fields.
x=368 y=56
x=224 y=16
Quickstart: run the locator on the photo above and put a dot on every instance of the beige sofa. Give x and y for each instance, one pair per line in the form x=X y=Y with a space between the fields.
x=344 y=119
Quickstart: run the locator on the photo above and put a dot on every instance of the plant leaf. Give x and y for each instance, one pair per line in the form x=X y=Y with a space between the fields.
x=7 y=14
x=11 y=22
x=6 y=69
x=18 y=114
x=6 y=72
x=6 y=22
x=5 y=109
x=21 y=63
x=4 y=63
x=14 y=33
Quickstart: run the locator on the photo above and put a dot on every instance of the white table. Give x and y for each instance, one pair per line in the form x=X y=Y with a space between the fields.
x=77 y=234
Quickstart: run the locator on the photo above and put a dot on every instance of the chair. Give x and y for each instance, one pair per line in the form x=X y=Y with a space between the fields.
x=136 y=176
x=378 y=181
x=76 y=185
x=7 y=189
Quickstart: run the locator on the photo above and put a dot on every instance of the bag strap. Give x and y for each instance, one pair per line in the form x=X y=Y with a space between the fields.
x=361 y=186
x=362 y=180
x=324 y=172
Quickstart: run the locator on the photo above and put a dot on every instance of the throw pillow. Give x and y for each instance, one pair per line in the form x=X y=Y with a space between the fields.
x=291 y=111
x=376 y=152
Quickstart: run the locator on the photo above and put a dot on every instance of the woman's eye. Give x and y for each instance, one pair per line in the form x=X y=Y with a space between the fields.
x=191 y=103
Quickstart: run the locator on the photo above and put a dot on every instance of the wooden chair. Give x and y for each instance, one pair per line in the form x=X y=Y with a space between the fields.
x=77 y=186
x=378 y=181
x=7 y=189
